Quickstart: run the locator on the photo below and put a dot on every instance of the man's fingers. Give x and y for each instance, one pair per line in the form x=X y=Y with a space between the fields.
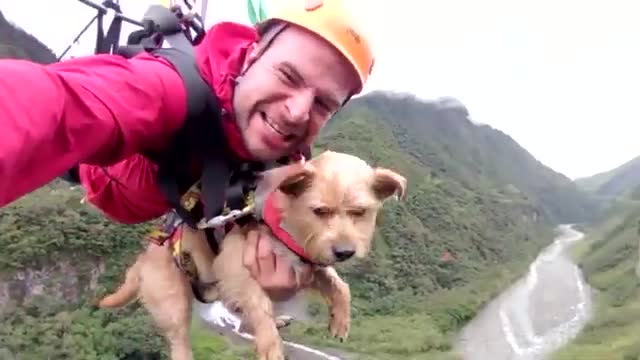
x=274 y=273
x=287 y=283
x=306 y=275
x=285 y=273
x=288 y=272
x=266 y=257
x=250 y=253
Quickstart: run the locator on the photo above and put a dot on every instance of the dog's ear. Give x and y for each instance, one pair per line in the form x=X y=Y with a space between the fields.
x=387 y=182
x=298 y=180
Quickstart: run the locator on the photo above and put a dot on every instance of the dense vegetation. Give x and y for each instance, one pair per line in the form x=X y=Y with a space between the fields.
x=479 y=208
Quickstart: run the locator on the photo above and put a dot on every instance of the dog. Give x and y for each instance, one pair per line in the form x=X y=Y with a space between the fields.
x=318 y=213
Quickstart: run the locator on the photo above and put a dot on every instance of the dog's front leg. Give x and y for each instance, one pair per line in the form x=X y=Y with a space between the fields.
x=238 y=289
x=338 y=296
x=257 y=310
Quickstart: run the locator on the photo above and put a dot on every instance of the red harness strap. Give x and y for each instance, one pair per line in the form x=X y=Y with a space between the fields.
x=272 y=217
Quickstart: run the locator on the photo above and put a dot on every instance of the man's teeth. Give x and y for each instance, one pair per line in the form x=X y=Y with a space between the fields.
x=275 y=127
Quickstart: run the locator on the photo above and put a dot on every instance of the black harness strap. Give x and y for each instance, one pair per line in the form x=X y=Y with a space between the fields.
x=109 y=43
x=112 y=40
x=202 y=135
x=196 y=139
x=100 y=34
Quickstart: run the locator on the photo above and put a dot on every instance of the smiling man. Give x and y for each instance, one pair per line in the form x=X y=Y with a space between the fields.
x=276 y=86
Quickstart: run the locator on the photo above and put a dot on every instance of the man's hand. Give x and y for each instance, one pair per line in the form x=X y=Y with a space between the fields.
x=274 y=273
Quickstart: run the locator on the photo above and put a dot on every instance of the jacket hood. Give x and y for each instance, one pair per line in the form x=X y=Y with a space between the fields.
x=220 y=56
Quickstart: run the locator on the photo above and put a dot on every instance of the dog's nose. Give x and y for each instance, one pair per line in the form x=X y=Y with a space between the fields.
x=343 y=252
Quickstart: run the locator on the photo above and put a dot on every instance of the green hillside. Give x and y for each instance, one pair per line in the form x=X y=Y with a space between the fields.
x=479 y=208
x=609 y=259
x=617 y=182
x=593 y=183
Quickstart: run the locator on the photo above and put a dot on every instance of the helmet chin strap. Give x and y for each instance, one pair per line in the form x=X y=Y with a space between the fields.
x=265 y=41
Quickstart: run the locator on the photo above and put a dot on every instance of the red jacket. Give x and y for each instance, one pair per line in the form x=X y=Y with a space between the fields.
x=104 y=110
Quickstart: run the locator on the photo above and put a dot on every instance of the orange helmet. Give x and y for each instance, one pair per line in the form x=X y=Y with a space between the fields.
x=332 y=21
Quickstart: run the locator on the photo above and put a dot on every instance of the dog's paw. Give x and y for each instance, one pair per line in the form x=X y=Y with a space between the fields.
x=339 y=325
x=272 y=354
x=271 y=351
x=283 y=321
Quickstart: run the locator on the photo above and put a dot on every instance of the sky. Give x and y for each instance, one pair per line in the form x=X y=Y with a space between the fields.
x=560 y=77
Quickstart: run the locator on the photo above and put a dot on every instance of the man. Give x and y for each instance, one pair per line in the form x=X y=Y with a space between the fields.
x=277 y=85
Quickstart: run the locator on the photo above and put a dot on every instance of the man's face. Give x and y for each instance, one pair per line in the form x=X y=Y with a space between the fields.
x=289 y=92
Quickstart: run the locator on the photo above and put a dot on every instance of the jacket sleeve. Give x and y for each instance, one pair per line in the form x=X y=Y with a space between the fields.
x=125 y=192
x=96 y=110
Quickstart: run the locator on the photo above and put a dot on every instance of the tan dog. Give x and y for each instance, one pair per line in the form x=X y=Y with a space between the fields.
x=328 y=205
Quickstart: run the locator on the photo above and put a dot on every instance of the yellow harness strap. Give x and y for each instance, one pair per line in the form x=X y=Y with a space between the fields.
x=169 y=229
x=165 y=229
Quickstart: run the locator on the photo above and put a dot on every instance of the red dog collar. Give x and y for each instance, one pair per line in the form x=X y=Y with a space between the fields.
x=272 y=217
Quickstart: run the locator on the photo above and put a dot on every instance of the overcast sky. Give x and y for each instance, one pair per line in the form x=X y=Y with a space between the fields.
x=561 y=77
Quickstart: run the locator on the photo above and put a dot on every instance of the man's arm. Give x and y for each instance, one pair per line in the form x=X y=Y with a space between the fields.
x=95 y=109
x=126 y=192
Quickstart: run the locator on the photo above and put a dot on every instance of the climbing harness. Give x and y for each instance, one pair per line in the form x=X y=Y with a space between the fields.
x=192 y=24
x=171 y=230
x=104 y=43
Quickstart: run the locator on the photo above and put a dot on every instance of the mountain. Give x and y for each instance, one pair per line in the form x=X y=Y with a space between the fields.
x=621 y=181
x=479 y=208
x=18 y=44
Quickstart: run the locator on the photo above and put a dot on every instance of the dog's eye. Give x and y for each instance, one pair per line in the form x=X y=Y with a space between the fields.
x=357 y=212
x=322 y=211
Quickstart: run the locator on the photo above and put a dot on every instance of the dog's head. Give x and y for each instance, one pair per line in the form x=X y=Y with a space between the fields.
x=330 y=204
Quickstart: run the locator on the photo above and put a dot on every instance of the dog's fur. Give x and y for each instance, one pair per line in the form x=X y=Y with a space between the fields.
x=329 y=206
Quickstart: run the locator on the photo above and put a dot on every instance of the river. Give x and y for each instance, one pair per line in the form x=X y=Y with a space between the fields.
x=536 y=315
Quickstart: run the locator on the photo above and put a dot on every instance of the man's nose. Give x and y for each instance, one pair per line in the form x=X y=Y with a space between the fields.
x=299 y=106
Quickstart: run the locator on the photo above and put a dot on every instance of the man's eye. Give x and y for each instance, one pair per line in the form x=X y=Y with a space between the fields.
x=357 y=212
x=287 y=76
x=323 y=211
x=323 y=106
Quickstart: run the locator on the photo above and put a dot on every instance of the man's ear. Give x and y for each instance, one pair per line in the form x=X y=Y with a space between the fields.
x=387 y=183
x=298 y=181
